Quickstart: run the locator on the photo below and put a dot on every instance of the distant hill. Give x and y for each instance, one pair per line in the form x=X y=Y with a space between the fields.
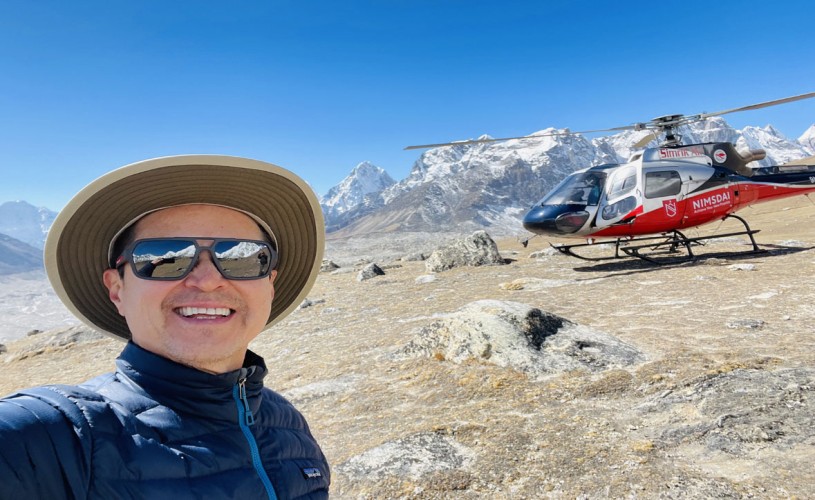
x=17 y=256
x=25 y=222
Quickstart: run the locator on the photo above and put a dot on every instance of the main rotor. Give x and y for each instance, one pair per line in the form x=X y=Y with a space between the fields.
x=666 y=125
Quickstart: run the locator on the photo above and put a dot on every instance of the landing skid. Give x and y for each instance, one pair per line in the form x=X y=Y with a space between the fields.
x=654 y=248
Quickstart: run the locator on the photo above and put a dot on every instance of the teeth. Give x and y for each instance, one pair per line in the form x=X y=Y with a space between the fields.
x=208 y=311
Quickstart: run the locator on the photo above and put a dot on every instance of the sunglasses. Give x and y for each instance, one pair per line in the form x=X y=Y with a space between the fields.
x=174 y=258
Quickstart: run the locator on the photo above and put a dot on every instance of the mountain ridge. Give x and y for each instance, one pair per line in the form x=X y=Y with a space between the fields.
x=489 y=185
x=468 y=187
x=18 y=256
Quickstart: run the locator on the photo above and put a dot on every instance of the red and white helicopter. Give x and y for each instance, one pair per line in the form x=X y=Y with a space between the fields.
x=663 y=190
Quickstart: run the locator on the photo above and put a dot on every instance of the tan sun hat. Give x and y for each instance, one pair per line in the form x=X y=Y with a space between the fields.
x=76 y=250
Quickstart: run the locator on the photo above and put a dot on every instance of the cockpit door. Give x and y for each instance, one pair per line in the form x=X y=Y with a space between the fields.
x=662 y=199
x=622 y=196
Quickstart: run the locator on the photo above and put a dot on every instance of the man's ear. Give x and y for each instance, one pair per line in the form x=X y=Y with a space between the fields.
x=114 y=283
x=272 y=277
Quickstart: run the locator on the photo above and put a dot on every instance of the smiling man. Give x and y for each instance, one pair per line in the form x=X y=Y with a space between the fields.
x=188 y=259
x=204 y=320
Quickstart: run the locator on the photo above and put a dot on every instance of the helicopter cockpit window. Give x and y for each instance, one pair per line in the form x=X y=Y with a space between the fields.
x=662 y=184
x=619 y=208
x=582 y=188
x=624 y=181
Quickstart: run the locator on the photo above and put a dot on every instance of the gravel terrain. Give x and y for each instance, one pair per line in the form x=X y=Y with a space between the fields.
x=715 y=400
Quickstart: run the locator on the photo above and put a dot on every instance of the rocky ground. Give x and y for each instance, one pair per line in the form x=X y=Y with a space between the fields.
x=693 y=380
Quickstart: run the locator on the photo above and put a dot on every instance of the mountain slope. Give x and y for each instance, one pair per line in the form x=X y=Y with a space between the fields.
x=17 y=256
x=26 y=222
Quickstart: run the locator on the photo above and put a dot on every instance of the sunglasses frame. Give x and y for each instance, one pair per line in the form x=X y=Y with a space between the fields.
x=127 y=256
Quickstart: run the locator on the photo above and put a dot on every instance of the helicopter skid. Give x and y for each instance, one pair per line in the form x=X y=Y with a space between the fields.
x=569 y=249
x=653 y=249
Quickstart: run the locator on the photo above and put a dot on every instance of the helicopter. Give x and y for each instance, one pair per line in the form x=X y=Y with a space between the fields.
x=646 y=202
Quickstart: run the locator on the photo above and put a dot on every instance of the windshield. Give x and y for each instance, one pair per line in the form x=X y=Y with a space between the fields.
x=581 y=188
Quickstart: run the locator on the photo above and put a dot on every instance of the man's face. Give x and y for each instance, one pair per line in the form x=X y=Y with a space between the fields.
x=164 y=316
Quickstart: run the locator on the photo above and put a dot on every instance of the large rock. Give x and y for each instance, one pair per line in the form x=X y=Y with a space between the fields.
x=370 y=271
x=515 y=335
x=328 y=265
x=413 y=456
x=56 y=340
x=478 y=249
x=741 y=413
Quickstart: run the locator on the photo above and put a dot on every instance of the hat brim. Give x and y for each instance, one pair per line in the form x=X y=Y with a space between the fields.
x=77 y=244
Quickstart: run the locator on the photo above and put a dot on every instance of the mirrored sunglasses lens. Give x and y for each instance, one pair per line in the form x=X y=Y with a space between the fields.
x=243 y=259
x=163 y=258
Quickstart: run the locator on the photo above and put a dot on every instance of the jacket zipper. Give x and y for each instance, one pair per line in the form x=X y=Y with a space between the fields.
x=245 y=419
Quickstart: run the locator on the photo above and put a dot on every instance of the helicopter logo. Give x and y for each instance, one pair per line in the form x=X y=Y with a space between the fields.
x=661 y=191
x=670 y=208
x=720 y=156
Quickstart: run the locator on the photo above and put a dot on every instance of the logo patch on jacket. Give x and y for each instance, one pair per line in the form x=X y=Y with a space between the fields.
x=312 y=473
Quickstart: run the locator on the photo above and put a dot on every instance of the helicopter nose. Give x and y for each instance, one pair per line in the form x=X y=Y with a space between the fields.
x=555 y=219
x=537 y=221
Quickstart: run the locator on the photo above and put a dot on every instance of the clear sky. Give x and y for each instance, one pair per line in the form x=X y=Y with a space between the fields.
x=320 y=86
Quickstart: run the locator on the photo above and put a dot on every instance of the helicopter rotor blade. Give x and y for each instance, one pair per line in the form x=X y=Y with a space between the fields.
x=657 y=125
x=470 y=141
x=534 y=136
x=650 y=136
x=759 y=105
x=809 y=160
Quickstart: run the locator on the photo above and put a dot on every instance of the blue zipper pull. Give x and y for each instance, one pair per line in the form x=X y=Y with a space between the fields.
x=245 y=419
x=248 y=417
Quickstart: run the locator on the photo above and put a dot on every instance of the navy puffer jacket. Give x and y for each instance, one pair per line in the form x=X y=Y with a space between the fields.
x=158 y=429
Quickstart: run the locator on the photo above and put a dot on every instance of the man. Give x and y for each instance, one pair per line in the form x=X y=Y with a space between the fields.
x=188 y=259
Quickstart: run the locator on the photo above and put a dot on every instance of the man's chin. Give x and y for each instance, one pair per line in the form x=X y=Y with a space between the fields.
x=209 y=360
x=213 y=349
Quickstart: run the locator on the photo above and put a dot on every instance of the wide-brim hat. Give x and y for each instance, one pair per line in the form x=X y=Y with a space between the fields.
x=76 y=250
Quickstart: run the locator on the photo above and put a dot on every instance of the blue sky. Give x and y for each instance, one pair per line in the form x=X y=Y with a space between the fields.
x=319 y=86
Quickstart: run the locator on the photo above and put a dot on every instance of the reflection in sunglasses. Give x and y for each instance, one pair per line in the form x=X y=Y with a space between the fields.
x=174 y=258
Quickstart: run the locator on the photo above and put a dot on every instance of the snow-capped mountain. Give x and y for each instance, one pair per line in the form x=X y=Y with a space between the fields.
x=807 y=140
x=25 y=222
x=467 y=187
x=356 y=195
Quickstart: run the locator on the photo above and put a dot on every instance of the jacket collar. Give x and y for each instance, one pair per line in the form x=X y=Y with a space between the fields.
x=186 y=389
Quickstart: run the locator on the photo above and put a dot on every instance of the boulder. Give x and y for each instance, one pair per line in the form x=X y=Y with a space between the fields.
x=740 y=412
x=519 y=336
x=414 y=456
x=57 y=339
x=478 y=249
x=327 y=266
x=370 y=271
x=414 y=257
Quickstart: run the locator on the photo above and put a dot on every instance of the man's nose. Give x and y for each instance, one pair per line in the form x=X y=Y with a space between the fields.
x=205 y=275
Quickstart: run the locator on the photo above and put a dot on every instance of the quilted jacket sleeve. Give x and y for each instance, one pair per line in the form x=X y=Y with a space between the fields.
x=42 y=453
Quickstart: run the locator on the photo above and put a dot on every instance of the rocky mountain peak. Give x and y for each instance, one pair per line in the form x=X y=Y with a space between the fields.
x=807 y=139
x=359 y=192
x=365 y=179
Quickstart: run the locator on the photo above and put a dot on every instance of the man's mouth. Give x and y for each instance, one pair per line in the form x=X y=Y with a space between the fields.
x=204 y=312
